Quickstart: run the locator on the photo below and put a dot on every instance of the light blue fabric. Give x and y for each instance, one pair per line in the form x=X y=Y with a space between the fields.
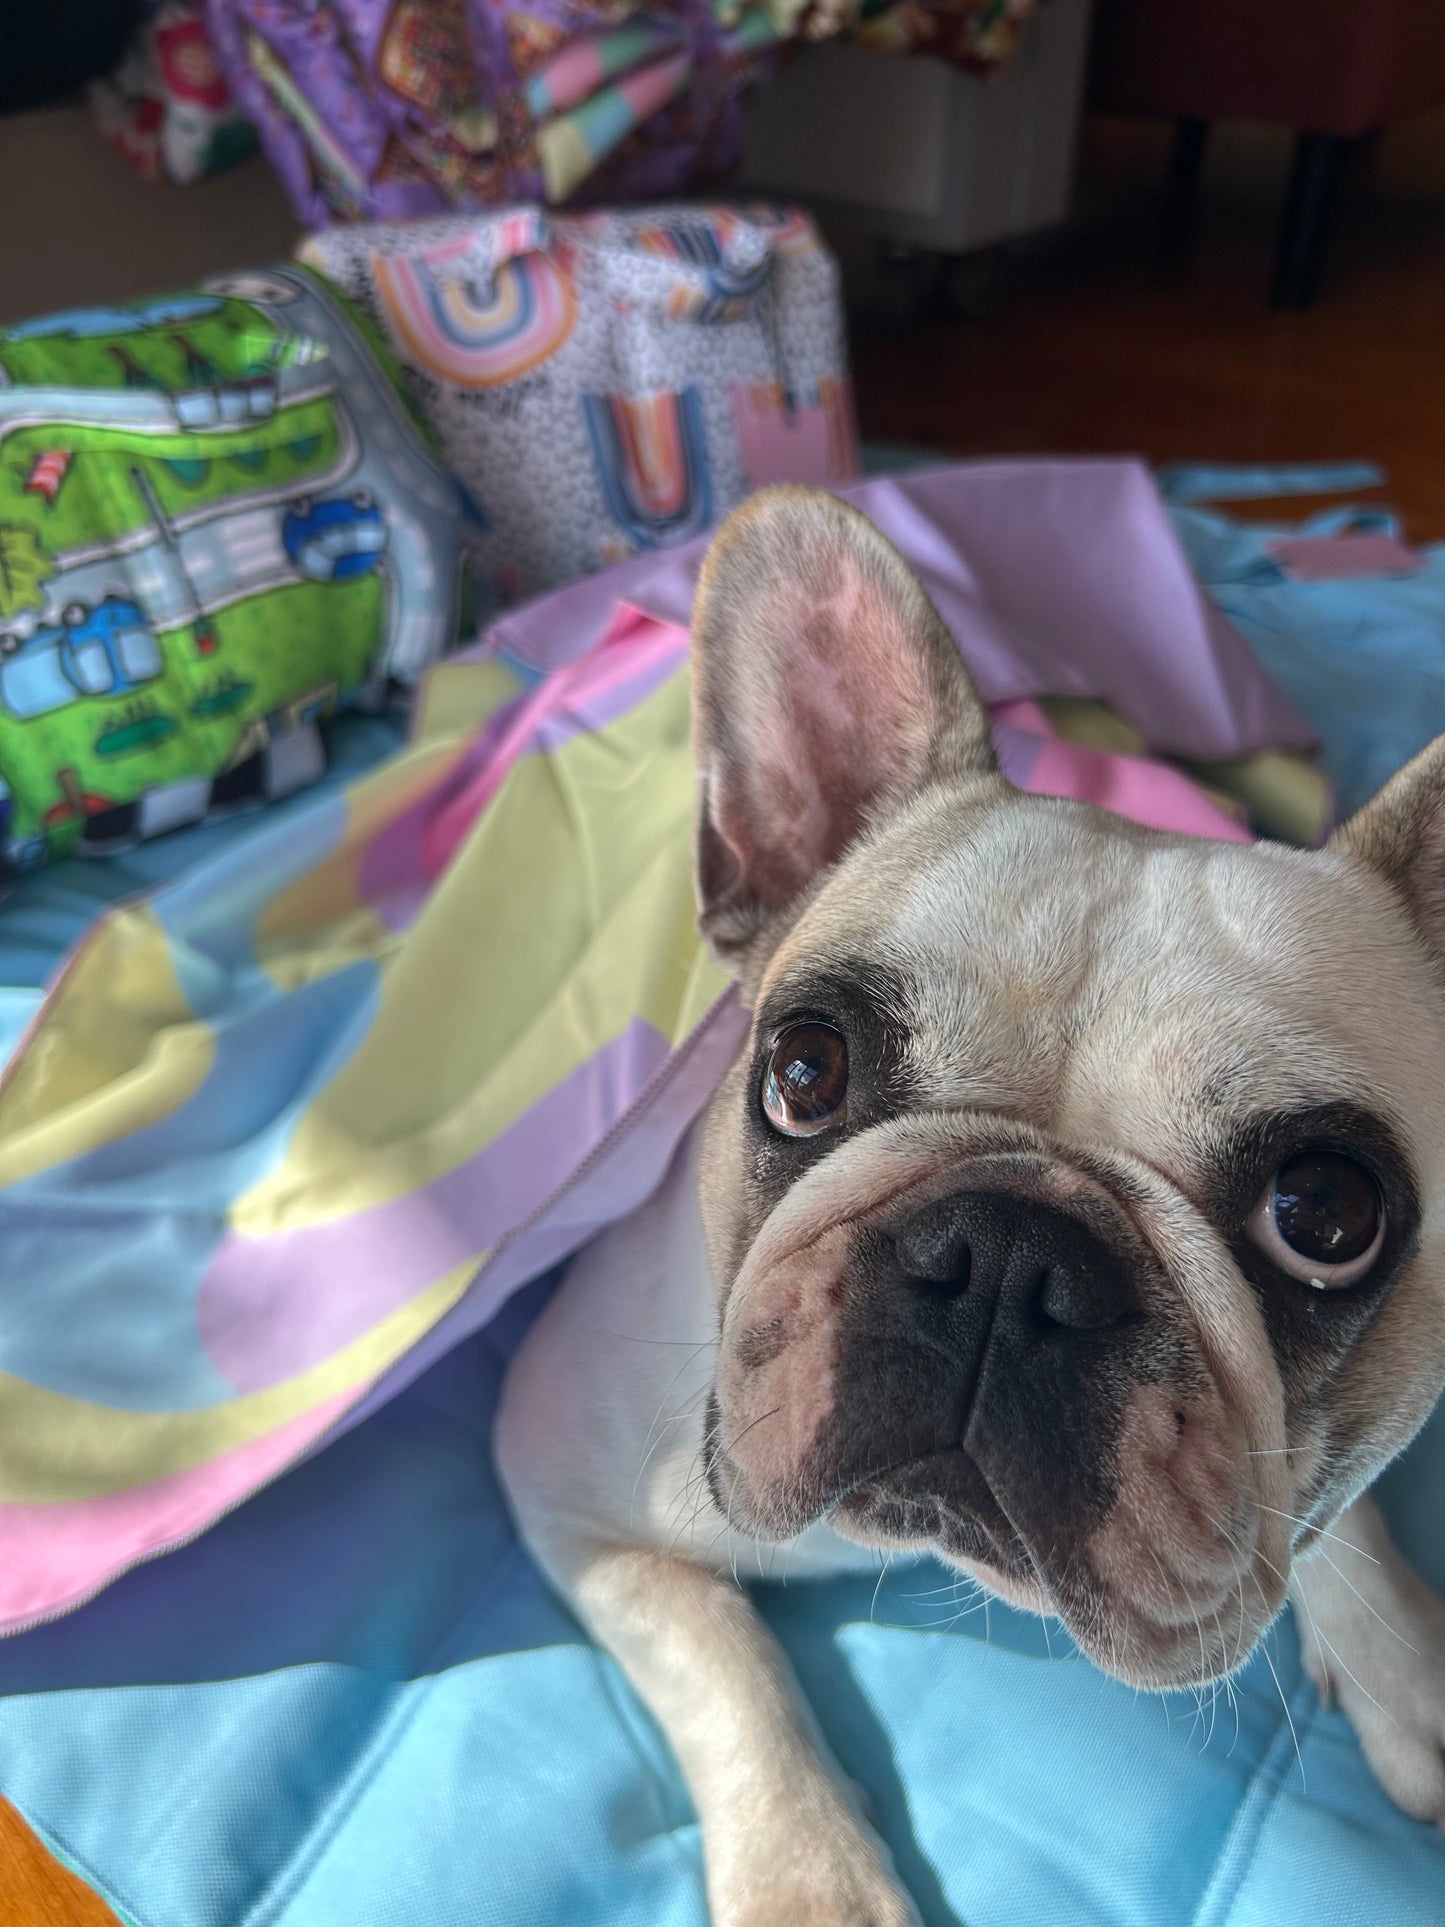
x=1253 y=481
x=353 y=1703
x=1363 y=659
x=45 y=913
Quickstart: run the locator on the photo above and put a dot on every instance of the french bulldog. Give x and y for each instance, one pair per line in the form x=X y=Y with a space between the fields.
x=1075 y=1211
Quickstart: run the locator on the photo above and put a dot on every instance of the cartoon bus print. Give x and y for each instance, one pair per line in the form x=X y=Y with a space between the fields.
x=227 y=503
x=108 y=650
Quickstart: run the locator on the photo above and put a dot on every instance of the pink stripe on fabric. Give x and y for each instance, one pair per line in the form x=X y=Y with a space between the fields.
x=391 y=877
x=1147 y=793
x=1033 y=758
x=632 y=643
x=54 y=1557
x=1021 y=713
x=573 y=73
x=653 y=87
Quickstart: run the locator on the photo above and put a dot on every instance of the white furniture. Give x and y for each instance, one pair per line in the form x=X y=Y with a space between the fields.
x=919 y=154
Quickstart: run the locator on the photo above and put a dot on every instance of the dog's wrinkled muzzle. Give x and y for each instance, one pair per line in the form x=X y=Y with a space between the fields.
x=970 y=1339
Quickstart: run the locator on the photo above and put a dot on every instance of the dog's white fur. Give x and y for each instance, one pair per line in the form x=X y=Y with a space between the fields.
x=1113 y=977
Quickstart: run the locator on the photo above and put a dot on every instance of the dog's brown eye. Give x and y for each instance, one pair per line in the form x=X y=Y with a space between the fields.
x=806 y=1079
x=1321 y=1219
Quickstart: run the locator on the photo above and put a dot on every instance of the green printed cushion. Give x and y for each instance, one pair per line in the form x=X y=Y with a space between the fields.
x=219 y=522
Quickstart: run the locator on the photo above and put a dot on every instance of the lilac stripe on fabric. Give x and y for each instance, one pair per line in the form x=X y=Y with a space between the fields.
x=269 y=1308
x=624 y=1176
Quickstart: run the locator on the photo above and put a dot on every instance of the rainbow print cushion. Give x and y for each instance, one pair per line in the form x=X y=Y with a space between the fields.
x=609 y=384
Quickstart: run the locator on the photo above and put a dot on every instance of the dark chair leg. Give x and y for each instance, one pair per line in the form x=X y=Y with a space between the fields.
x=1181 y=199
x=1319 y=162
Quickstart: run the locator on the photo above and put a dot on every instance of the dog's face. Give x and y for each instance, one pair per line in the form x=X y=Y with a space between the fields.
x=1077 y=1205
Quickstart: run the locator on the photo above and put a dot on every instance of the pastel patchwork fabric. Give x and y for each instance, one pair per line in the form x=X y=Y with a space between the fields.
x=219 y=522
x=387 y=109
x=609 y=383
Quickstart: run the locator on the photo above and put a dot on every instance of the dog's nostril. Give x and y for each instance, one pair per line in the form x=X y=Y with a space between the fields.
x=934 y=1251
x=1053 y=1270
x=1084 y=1297
x=946 y=1277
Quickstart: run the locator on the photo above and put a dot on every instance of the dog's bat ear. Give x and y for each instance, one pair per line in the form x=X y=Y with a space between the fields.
x=1400 y=834
x=826 y=689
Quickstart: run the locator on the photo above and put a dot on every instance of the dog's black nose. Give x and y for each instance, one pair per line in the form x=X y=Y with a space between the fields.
x=1046 y=1266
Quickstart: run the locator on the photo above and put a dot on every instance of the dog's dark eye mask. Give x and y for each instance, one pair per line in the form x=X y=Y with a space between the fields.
x=1337 y=1169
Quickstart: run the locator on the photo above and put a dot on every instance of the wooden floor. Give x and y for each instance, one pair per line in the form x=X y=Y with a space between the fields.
x=35 y=1891
x=1102 y=341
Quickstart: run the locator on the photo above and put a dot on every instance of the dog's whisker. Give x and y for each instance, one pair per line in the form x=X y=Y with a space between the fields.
x=873 y=1603
x=1367 y=1603
x=1310 y=1526
x=659 y=1426
x=1299 y=1756
x=634 y=1338
x=1350 y=1676
x=650 y=1444
x=1233 y=1700
x=732 y=1540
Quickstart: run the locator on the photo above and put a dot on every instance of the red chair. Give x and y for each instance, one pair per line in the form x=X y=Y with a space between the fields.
x=1336 y=70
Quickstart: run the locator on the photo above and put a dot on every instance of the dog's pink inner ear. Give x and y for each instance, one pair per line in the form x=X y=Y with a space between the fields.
x=826 y=686
x=843 y=723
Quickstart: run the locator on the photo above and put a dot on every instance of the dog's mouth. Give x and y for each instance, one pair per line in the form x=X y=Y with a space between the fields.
x=1180 y=1612
x=941 y=1499
x=1172 y=1631
x=937 y=1499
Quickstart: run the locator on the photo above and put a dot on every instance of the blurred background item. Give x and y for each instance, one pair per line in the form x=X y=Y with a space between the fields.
x=52 y=47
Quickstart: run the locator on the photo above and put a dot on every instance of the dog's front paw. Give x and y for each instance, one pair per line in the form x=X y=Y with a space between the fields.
x=826 y=1905
x=830 y=1873
x=1379 y=1650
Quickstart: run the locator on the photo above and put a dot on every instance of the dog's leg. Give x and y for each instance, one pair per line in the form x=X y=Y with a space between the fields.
x=599 y=1442
x=1372 y=1635
x=783 y=1844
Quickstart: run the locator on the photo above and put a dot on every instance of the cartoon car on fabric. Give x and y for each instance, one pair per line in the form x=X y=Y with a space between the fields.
x=335 y=539
x=109 y=650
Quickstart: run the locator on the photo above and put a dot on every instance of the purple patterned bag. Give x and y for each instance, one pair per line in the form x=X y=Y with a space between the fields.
x=387 y=109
